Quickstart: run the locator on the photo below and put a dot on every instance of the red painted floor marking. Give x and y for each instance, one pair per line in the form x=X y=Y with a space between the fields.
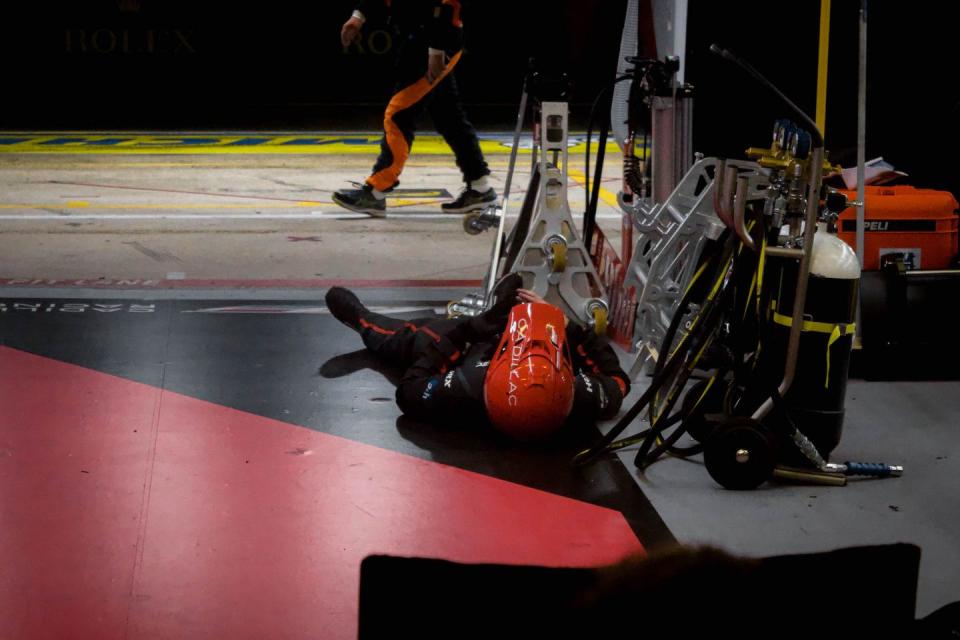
x=74 y=453
x=148 y=284
x=253 y=528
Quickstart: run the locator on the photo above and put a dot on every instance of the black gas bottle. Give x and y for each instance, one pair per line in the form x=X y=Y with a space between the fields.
x=815 y=400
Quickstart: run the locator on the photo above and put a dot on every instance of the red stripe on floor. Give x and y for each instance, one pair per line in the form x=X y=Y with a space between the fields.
x=243 y=526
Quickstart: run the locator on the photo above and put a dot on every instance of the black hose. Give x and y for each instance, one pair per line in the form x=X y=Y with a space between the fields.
x=590 y=213
x=590 y=216
x=586 y=456
x=756 y=75
x=701 y=337
x=720 y=255
x=593 y=119
x=668 y=365
x=518 y=234
x=730 y=298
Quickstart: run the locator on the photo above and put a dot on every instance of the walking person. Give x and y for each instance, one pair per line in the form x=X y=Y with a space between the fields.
x=430 y=37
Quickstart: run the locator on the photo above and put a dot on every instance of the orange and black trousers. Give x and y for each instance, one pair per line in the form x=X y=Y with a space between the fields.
x=441 y=99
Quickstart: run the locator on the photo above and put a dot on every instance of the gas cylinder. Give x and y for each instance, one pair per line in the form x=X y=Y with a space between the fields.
x=815 y=400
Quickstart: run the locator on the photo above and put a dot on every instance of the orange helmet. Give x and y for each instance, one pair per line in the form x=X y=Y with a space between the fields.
x=529 y=386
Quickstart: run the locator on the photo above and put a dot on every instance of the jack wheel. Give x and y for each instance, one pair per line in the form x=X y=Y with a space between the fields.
x=740 y=454
x=472 y=224
x=600 y=320
x=558 y=257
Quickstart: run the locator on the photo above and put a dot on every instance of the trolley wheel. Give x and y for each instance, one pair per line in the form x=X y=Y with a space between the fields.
x=697 y=403
x=600 y=320
x=558 y=257
x=740 y=454
x=472 y=224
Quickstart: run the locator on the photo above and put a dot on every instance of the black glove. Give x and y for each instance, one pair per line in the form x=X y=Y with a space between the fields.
x=492 y=321
x=577 y=333
x=507 y=287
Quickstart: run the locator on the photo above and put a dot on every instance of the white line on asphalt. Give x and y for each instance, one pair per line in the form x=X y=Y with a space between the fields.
x=297 y=309
x=317 y=215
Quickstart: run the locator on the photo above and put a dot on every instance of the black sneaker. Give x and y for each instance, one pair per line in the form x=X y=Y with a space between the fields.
x=345 y=306
x=361 y=200
x=471 y=200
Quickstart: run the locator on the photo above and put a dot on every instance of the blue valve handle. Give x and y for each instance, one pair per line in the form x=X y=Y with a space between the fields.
x=873 y=469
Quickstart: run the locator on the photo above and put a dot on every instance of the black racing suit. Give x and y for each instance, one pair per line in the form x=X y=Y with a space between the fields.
x=421 y=25
x=446 y=365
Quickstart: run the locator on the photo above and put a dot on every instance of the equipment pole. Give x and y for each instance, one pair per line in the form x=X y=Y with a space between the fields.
x=822 y=66
x=862 y=129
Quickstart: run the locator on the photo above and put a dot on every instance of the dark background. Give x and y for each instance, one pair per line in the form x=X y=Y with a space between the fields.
x=173 y=64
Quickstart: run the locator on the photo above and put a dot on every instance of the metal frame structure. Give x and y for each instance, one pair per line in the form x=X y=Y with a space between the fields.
x=551 y=257
x=670 y=241
x=543 y=245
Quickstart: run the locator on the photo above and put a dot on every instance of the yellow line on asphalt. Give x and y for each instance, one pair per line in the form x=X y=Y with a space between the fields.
x=83 y=204
x=190 y=144
x=607 y=196
x=172 y=205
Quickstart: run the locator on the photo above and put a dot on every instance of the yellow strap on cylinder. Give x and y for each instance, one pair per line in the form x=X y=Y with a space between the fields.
x=836 y=332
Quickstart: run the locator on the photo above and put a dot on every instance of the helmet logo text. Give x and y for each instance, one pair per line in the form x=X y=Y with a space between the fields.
x=515 y=352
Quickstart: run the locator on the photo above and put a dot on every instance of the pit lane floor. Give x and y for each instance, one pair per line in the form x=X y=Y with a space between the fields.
x=162 y=331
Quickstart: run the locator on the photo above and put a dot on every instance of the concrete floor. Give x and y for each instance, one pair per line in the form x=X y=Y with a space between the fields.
x=249 y=217
x=907 y=423
x=269 y=217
